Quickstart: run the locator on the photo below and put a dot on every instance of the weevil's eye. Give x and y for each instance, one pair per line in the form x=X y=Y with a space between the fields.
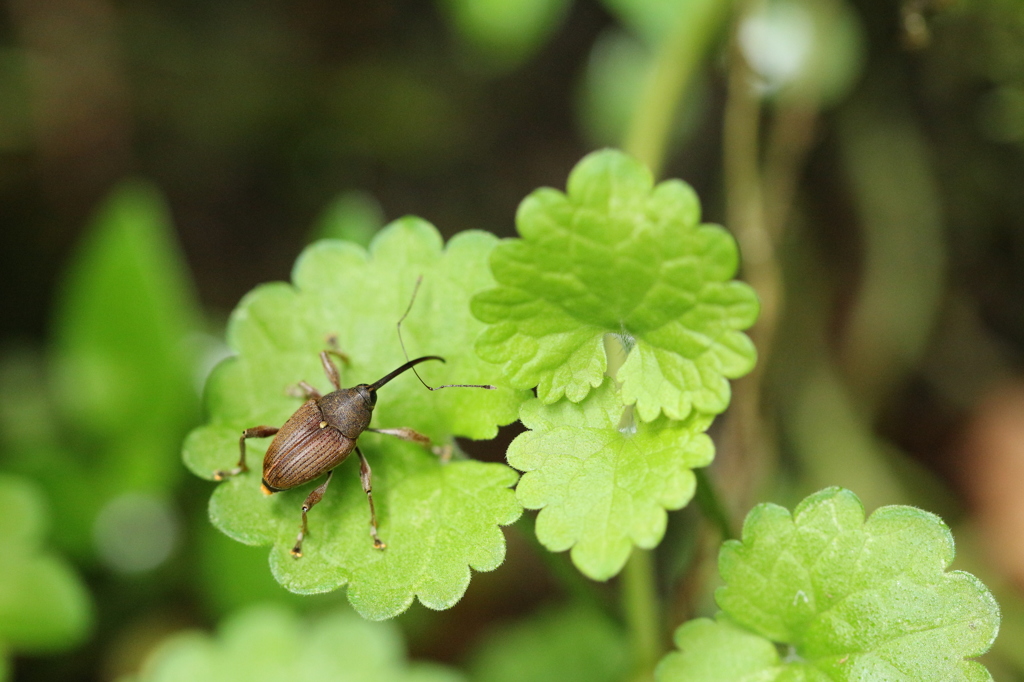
x=368 y=395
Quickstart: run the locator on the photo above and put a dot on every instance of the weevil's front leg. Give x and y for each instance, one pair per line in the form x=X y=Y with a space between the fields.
x=405 y=433
x=311 y=500
x=330 y=369
x=254 y=432
x=364 y=478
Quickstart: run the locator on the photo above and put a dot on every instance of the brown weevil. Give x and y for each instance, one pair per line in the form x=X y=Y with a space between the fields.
x=322 y=433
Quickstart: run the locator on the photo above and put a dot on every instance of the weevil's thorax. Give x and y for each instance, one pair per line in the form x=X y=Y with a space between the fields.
x=349 y=410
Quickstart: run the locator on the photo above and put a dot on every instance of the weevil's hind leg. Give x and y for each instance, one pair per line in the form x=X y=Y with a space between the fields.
x=405 y=433
x=254 y=432
x=364 y=478
x=311 y=500
x=444 y=452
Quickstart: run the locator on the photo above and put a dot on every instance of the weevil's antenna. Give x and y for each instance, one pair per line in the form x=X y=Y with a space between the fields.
x=416 y=290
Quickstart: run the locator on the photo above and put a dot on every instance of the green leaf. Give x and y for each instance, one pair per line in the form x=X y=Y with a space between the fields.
x=564 y=645
x=43 y=604
x=652 y=19
x=612 y=85
x=603 y=488
x=354 y=216
x=719 y=651
x=270 y=644
x=437 y=519
x=612 y=89
x=123 y=367
x=852 y=600
x=504 y=33
x=618 y=255
x=126 y=310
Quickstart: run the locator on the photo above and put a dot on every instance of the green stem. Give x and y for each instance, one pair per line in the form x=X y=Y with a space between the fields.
x=638 y=584
x=640 y=604
x=675 y=63
x=711 y=506
x=677 y=59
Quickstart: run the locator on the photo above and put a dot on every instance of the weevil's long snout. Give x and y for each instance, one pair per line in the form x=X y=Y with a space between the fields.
x=407 y=366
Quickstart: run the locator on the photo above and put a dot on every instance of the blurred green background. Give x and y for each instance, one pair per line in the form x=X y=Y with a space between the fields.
x=159 y=158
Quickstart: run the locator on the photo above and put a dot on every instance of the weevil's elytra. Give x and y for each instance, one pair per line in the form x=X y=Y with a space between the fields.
x=321 y=435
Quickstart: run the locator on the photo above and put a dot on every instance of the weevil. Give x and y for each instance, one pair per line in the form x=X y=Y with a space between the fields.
x=323 y=432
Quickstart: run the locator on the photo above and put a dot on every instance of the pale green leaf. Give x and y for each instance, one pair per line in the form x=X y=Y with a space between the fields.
x=270 y=644
x=124 y=317
x=43 y=603
x=852 y=600
x=602 y=486
x=719 y=651
x=566 y=645
x=123 y=369
x=617 y=254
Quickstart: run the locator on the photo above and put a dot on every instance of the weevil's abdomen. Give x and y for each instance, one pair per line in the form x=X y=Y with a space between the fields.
x=305 y=448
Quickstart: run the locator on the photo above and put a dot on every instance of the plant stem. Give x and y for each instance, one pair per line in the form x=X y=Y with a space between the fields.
x=640 y=604
x=677 y=58
x=748 y=445
x=711 y=506
x=638 y=583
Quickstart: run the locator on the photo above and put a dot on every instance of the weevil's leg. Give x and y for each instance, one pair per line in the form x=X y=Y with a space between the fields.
x=254 y=432
x=364 y=478
x=341 y=356
x=311 y=500
x=330 y=369
x=444 y=452
x=405 y=433
x=303 y=391
x=335 y=349
x=308 y=391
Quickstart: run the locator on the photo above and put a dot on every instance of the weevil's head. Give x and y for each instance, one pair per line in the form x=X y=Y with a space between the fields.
x=368 y=393
x=349 y=409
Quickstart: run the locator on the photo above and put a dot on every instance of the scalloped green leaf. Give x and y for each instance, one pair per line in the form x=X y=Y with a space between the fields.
x=438 y=520
x=851 y=599
x=271 y=644
x=43 y=604
x=719 y=651
x=616 y=254
x=602 y=487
